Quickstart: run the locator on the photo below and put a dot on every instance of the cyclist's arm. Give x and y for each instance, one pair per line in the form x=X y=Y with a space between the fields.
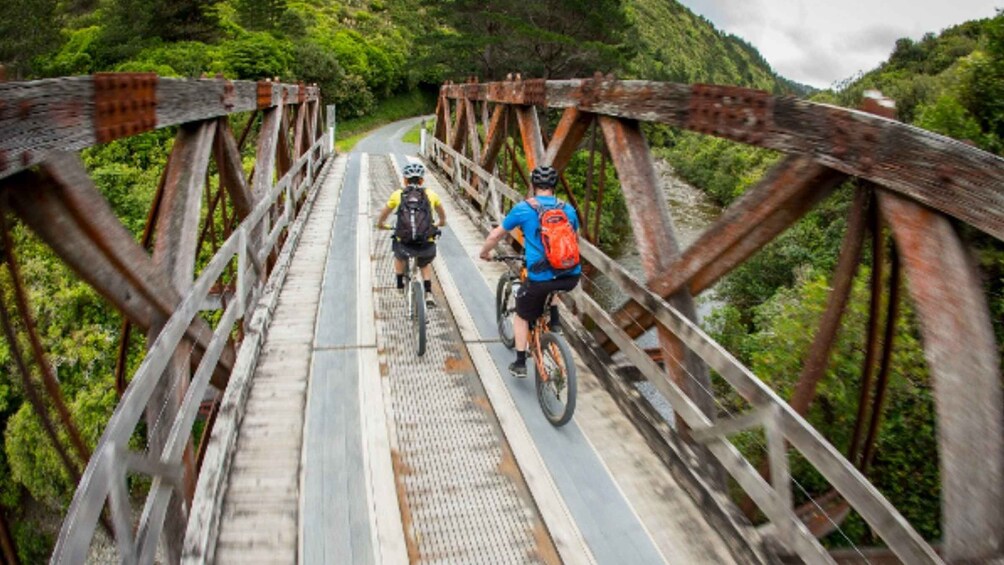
x=442 y=214
x=494 y=238
x=383 y=215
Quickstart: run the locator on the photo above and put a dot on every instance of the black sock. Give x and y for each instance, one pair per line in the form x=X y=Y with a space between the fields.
x=520 y=357
x=554 y=316
x=428 y=286
x=400 y=281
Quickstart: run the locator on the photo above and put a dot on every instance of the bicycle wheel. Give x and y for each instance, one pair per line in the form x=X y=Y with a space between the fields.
x=418 y=315
x=556 y=389
x=505 y=309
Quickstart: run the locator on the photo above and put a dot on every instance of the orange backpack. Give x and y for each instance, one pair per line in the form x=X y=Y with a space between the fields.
x=558 y=237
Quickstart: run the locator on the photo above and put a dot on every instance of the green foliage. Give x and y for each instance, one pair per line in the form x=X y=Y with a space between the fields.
x=33 y=545
x=414 y=103
x=948 y=116
x=26 y=31
x=257 y=55
x=181 y=59
x=904 y=468
x=722 y=168
x=550 y=39
x=34 y=463
x=262 y=15
x=77 y=56
x=671 y=43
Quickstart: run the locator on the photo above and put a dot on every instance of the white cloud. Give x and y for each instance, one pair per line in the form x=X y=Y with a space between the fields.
x=819 y=43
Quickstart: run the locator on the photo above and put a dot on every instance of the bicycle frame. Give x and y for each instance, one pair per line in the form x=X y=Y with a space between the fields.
x=536 y=327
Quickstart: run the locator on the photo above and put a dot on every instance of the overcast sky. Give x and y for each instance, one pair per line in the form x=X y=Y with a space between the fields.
x=819 y=42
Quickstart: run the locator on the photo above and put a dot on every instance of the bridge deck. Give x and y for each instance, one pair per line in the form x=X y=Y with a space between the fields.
x=352 y=450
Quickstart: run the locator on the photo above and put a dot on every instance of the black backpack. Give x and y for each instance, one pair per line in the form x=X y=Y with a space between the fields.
x=414 y=216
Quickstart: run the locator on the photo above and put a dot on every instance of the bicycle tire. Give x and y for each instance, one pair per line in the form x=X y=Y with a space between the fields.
x=553 y=347
x=418 y=316
x=504 y=311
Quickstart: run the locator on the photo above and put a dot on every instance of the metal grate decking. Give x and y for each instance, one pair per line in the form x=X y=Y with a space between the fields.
x=462 y=496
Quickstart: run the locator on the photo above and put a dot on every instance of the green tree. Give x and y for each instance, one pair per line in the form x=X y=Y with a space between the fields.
x=550 y=39
x=261 y=15
x=28 y=28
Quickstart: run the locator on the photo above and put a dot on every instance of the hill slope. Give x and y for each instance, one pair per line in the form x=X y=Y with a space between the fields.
x=672 y=43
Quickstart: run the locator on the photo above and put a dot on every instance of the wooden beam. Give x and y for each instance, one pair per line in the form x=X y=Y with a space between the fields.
x=788 y=192
x=657 y=245
x=174 y=253
x=495 y=137
x=529 y=131
x=567 y=136
x=282 y=151
x=473 y=140
x=67 y=109
x=231 y=169
x=962 y=355
x=817 y=359
x=443 y=119
x=459 y=128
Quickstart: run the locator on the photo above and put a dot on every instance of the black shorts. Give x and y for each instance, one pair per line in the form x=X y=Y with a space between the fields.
x=532 y=295
x=424 y=253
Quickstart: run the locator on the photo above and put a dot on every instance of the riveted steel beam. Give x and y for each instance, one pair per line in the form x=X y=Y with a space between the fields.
x=945 y=174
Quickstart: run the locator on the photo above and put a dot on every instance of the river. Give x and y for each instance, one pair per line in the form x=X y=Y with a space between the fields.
x=691 y=212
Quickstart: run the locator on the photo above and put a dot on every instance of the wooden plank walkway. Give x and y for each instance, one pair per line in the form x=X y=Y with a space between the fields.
x=259 y=521
x=352 y=450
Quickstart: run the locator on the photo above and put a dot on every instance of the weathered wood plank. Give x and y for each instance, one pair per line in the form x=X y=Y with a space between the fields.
x=565 y=141
x=529 y=131
x=962 y=355
x=39 y=117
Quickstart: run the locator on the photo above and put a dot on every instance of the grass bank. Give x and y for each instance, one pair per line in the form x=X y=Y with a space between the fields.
x=414 y=103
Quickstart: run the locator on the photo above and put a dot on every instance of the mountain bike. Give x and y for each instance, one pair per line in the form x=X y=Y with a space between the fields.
x=554 y=366
x=415 y=298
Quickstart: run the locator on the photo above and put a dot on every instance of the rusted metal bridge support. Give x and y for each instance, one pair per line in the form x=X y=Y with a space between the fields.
x=158 y=292
x=656 y=240
x=920 y=179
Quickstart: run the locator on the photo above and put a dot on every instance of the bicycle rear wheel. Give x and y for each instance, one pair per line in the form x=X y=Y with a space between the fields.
x=418 y=315
x=505 y=309
x=556 y=388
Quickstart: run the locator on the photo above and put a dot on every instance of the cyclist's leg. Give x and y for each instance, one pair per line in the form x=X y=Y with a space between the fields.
x=563 y=284
x=400 y=258
x=424 y=256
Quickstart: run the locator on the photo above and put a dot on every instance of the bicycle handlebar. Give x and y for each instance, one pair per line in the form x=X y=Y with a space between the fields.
x=507 y=258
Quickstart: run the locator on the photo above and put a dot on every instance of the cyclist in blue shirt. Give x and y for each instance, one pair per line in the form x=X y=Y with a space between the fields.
x=541 y=278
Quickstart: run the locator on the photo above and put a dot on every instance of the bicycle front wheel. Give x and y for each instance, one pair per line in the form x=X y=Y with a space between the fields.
x=505 y=309
x=556 y=386
x=418 y=316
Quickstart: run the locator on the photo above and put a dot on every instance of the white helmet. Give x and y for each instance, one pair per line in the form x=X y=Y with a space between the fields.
x=413 y=170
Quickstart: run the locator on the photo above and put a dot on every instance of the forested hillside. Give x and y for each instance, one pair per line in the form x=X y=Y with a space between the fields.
x=672 y=43
x=372 y=55
x=373 y=58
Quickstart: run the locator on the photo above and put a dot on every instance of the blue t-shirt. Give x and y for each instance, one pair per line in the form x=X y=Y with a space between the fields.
x=524 y=216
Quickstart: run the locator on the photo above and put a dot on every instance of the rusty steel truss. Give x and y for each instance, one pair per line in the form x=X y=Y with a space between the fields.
x=913 y=181
x=205 y=205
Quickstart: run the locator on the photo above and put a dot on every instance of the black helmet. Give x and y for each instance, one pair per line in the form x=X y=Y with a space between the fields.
x=545 y=176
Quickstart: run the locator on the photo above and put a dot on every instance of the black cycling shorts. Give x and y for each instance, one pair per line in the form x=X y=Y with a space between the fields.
x=424 y=253
x=532 y=295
